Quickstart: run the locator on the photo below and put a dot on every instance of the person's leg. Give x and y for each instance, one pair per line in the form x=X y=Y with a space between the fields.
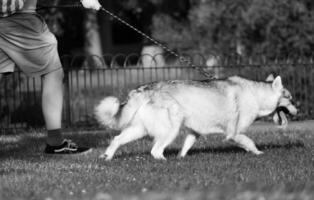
x=52 y=99
x=35 y=52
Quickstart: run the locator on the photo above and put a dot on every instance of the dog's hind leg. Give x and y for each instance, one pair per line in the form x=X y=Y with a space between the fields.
x=162 y=142
x=188 y=143
x=127 y=135
x=156 y=151
x=246 y=143
x=167 y=135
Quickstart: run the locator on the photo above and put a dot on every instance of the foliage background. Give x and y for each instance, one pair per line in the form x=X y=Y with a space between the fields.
x=246 y=27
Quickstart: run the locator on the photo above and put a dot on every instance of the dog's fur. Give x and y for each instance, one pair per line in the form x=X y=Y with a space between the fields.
x=161 y=109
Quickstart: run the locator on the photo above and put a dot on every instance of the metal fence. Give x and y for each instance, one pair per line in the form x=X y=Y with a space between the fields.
x=20 y=96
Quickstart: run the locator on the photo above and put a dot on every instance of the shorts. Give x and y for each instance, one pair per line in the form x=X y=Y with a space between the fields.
x=26 y=42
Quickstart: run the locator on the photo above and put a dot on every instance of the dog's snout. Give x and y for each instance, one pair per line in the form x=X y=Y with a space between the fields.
x=292 y=109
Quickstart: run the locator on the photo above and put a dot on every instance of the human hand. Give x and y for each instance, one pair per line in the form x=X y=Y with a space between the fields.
x=91 y=4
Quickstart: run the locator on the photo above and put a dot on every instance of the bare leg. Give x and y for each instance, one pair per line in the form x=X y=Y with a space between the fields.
x=246 y=143
x=52 y=100
x=188 y=143
x=128 y=135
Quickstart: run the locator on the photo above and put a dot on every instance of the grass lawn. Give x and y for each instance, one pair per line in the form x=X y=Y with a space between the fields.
x=213 y=169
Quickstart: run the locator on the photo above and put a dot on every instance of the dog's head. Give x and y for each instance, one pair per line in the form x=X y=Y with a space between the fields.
x=285 y=104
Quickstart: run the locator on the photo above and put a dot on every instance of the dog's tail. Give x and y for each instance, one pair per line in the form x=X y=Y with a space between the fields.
x=112 y=114
x=107 y=110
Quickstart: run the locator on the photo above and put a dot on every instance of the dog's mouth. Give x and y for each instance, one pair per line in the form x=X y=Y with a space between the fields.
x=280 y=115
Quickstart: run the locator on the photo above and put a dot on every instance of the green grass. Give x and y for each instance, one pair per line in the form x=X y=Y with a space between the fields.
x=213 y=169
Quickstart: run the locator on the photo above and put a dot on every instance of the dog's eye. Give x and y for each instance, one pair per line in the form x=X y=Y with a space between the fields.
x=286 y=94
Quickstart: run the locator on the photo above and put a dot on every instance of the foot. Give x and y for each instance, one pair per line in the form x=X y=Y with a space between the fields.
x=108 y=154
x=158 y=156
x=105 y=156
x=257 y=152
x=181 y=155
x=67 y=147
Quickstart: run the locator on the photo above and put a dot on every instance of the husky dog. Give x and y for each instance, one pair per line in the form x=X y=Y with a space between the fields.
x=160 y=109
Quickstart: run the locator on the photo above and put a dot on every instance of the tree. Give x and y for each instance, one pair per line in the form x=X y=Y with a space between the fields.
x=76 y=35
x=92 y=44
x=248 y=27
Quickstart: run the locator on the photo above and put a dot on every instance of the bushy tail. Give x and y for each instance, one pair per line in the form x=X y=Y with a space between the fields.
x=112 y=114
x=106 y=112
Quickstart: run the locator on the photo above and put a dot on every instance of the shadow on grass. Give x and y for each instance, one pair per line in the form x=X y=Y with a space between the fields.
x=33 y=144
x=219 y=149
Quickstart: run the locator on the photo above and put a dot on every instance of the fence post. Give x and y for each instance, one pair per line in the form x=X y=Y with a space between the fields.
x=67 y=98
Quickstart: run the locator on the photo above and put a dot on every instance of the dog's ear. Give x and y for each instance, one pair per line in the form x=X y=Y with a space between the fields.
x=270 y=78
x=277 y=84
